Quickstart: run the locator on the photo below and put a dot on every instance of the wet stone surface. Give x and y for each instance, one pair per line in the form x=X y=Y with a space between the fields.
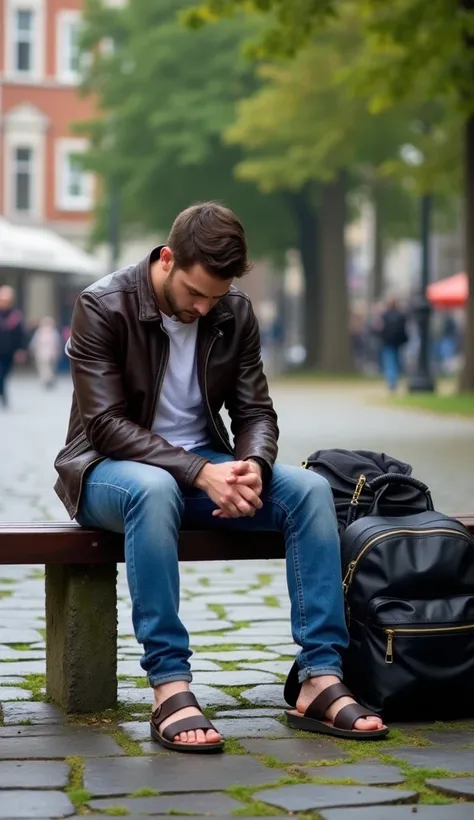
x=237 y=614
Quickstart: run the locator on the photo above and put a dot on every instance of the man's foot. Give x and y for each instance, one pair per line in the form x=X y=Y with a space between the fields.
x=198 y=736
x=312 y=687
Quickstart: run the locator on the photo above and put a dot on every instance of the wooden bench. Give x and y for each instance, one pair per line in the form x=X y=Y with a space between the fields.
x=81 y=596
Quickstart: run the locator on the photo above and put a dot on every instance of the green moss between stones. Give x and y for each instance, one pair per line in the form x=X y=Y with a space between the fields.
x=6 y=593
x=130 y=747
x=75 y=790
x=109 y=718
x=204 y=582
x=218 y=609
x=20 y=647
x=34 y=684
x=37 y=574
x=145 y=792
x=264 y=579
x=233 y=747
x=234 y=691
x=271 y=600
x=117 y=811
x=254 y=807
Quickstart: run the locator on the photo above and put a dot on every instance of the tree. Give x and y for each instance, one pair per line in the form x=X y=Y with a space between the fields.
x=413 y=49
x=304 y=131
x=164 y=97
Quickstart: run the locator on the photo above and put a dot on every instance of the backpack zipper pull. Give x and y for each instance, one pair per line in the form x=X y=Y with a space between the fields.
x=348 y=576
x=359 y=487
x=389 y=650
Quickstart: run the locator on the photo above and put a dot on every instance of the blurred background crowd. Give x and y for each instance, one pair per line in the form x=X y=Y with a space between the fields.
x=325 y=125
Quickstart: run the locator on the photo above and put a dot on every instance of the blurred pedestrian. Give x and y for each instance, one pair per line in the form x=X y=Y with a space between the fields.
x=12 y=338
x=45 y=347
x=393 y=336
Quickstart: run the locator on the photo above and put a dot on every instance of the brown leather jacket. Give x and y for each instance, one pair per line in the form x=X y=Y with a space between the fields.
x=118 y=352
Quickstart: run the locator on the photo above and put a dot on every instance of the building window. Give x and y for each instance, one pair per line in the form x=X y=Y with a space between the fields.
x=24 y=40
x=24 y=33
x=23 y=180
x=74 y=185
x=68 y=32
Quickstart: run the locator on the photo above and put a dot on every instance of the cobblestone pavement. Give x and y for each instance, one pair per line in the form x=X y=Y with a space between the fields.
x=52 y=766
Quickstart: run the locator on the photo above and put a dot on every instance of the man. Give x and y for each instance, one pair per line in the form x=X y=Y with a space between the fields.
x=11 y=338
x=393 y=336
x=156 y=350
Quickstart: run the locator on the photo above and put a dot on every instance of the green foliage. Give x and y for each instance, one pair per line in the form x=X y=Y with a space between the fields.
x=165 y=96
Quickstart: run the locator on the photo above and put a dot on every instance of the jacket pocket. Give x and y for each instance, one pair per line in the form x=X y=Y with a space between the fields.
x=78 y=445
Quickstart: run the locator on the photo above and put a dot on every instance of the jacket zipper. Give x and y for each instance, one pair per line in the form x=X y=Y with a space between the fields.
x=390 y=633
x=215 y=336
x=158 y=385
x=348 y=577
x=159 y=381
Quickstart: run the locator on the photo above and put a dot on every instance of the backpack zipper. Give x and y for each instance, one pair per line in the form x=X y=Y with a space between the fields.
x=390 y=633
x=348 y=577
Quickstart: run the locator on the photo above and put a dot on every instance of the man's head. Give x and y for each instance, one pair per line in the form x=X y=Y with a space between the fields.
x=206 y=250
x=7 y=297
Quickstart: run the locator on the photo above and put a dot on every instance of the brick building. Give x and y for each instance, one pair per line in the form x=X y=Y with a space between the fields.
x=42 y=182
x=41 y=179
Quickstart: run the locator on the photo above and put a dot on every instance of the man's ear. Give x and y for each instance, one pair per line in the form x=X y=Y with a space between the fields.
x=167 y=258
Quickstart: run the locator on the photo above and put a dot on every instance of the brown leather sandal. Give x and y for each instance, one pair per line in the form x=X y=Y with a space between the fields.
x=314 y=720
x=166 y=738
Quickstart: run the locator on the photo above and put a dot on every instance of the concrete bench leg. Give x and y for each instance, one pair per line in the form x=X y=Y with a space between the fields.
x=81 y=636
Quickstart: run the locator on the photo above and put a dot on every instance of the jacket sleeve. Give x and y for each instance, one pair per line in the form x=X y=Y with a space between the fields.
x=100 y=393
x=253 y=419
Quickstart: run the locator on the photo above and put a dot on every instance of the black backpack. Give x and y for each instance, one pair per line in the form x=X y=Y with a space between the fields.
x=408 y=583
x=351 y=473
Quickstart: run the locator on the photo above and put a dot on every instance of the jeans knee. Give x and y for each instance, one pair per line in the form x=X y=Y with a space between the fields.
x=157 y=489
x=318 y=487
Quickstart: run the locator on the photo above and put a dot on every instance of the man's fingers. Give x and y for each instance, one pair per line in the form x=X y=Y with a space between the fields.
x=248 y=480
x=240 y=467
x=227 y=503
x=251 y=496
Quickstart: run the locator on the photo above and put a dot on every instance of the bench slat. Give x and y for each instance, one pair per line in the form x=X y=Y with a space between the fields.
x=55 y=543
x=68 y=543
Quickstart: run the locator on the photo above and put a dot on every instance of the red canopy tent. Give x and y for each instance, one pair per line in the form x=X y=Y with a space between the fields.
x=451 y=292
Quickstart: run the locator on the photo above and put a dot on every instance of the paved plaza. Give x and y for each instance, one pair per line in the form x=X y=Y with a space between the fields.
x=53 y=766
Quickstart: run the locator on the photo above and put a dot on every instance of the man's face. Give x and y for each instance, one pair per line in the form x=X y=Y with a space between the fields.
x=194 y=292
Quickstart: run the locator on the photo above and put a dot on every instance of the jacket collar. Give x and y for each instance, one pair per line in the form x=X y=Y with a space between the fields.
x=148 y=306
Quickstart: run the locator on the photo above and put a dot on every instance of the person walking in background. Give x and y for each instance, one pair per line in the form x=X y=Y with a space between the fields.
x=45 y=347
x=12 y=338
x=393 y=336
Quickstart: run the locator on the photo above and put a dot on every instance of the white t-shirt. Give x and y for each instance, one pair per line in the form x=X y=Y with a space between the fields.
x=180 y=414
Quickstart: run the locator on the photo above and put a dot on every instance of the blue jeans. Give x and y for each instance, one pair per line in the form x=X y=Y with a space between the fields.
x=391 y=365
x=147 y=504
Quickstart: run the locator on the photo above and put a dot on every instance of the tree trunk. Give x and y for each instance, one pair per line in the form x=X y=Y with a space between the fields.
x=378 y=279
x=306 y=220
x=467 y=376
x=336 y=353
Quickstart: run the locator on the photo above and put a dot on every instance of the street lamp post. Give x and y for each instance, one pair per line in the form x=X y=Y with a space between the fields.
x=421 y=379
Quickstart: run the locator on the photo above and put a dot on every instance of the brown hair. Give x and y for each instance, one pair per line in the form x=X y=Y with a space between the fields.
x=211 y=235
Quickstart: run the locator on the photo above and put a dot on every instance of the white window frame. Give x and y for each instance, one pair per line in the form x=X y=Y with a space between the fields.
x=64 y=19
x=25 y=127
x=36 y=73
x=65 y=202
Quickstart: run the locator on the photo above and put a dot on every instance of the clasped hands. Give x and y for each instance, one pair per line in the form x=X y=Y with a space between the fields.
x=234 y=486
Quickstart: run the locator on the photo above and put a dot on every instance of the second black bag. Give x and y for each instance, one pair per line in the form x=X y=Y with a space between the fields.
x=408 y=585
